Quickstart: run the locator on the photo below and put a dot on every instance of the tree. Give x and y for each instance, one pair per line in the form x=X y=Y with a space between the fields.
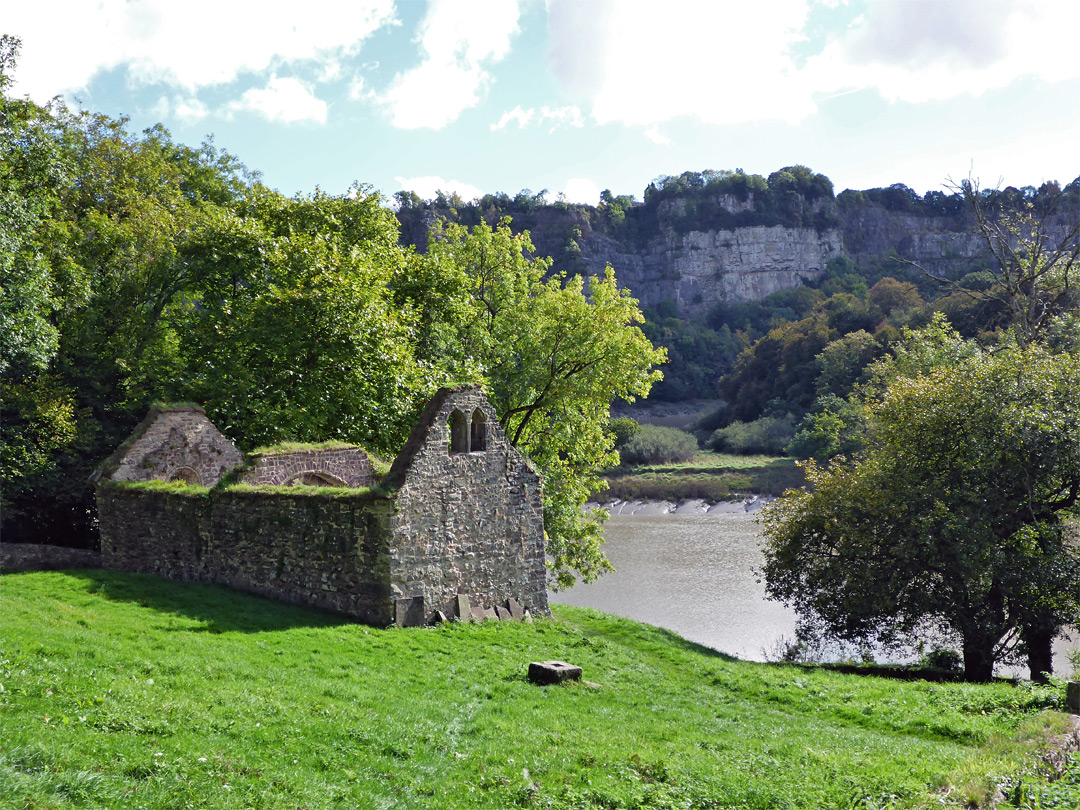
x=552 y=351
x=1035 y=257
x=32 y=170
x=291 y=331
x=956 y=514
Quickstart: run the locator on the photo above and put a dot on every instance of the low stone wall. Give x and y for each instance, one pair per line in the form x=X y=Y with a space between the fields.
x=344 y=466
x=33 y=557
x=320 y=551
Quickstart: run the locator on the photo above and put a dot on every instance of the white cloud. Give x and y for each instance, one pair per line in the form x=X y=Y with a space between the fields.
x=582 y=190
x=654 y=134
x=515 y=116
x=554 y=117
x=356 y=89
x=918 y=52
x=188 y=110
x=458 y=40
x=288 y=100
x=426 y=187
x=187 y=45
x=641 y=63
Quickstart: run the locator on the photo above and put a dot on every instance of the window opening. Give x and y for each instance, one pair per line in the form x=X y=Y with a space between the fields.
x=479 y=432
x=459 y=432
x=316 y=479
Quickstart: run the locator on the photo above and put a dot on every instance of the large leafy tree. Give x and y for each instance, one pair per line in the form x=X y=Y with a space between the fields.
x=552 y=351
x=290 y=331
x=956 y=514
x=95 y=220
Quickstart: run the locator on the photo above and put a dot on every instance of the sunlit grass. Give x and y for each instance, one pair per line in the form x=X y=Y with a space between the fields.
x=126 y=691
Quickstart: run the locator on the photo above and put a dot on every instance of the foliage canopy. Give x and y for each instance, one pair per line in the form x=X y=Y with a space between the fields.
x=957 y=513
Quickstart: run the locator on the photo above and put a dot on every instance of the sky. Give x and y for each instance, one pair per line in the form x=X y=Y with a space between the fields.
x=576 y=96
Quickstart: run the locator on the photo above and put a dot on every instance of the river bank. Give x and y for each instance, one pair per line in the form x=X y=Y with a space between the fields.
x=709 y=477
x=693 y=506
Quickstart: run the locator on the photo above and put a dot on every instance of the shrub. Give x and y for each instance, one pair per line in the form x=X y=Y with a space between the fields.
x=653 y=444
x=624 y=429
x=769 y=434
x=835 y=427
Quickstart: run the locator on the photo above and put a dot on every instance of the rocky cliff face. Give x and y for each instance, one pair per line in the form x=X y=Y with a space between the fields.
x=696 y=268
x=932 y=242
x=701 y=268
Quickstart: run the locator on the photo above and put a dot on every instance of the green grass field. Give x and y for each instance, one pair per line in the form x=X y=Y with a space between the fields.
x=709 y=476
x=125 y=691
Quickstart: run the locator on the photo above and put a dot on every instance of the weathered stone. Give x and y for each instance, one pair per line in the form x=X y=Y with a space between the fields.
x=548 y=672
x=174 y=443
x=339 y=466
x=1072 y=696
x=463 y=609
x=35 y=557
x=489 y=613
x=438 y=617
x=460 y=523
x=516 y=611
x=409 y=611
x=478 y=613
x=503 y=614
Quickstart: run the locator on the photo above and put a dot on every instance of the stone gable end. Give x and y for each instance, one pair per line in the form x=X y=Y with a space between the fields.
x=173 y=444
x=469 y=516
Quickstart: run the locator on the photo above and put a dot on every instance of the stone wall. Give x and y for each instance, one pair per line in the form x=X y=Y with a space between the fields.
x=466 y=522
x=36 y=557
x=454 y=517
x=173 y=443
x=326 y=552
x=343 y=466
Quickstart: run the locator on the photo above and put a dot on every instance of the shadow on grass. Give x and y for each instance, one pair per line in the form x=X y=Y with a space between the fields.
x=591 y=622
x=220 y=609
x=692 y=646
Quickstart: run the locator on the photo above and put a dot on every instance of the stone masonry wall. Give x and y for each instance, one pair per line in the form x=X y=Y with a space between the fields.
x=175 y=443
x=468 y=522
x=307 y=549
x=35 y=557
x=345 y=466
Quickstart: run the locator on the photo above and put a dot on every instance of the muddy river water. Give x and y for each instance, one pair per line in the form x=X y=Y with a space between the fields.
x=694 y=574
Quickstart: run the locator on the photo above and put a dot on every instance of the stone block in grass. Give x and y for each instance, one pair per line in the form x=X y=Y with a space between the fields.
x=549 y=672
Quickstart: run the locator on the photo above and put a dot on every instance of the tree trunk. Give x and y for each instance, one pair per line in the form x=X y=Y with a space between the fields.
x=1039 y=640
x=978 y=659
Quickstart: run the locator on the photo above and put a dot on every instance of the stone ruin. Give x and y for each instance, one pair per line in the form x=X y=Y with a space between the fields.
x=454 y=530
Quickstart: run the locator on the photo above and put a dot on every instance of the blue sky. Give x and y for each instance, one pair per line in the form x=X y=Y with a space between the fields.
x=575 y=96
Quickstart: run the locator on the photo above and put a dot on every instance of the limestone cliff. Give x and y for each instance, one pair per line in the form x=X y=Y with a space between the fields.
x=701 y=268
x=674 y=254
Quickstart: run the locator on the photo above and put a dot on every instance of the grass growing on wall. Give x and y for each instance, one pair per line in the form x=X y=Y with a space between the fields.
x=121 y=690
x=155 y=485
x=329 y=493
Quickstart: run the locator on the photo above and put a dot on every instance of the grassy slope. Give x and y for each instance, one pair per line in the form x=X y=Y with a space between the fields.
x=129 y=691
x=709 y=476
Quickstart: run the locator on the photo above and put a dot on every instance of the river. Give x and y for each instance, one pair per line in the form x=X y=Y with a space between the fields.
x=694 y=575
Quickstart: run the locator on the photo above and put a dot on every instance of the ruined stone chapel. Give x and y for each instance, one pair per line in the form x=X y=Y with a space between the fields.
x=454 y=529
